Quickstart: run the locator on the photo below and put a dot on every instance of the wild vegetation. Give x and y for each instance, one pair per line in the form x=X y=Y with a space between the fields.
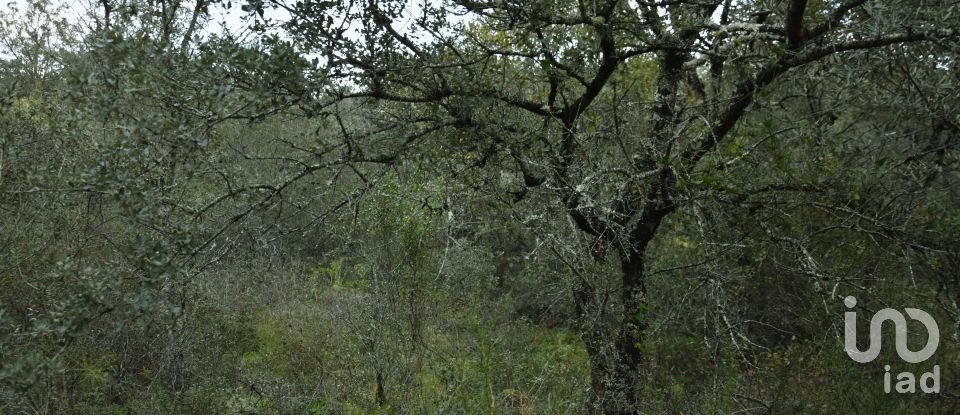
x=460 y=206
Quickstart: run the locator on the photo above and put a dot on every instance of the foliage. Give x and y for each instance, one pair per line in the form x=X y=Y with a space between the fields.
x=473 y=206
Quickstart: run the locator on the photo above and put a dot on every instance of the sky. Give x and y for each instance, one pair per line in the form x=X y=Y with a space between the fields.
x=76 y=11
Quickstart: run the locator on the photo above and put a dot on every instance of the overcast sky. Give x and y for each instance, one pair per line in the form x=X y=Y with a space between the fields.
x=76 y=11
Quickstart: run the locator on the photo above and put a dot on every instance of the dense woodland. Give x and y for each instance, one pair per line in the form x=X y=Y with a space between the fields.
x=475 y=206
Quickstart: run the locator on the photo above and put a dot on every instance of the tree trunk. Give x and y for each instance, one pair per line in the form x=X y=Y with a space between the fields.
x=615 y=369
x=616 y=358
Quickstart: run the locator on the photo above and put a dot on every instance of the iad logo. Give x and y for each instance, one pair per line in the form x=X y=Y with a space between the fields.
x=906 y=381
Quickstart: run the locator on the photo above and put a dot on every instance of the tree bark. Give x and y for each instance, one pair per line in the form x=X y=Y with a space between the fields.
x=616 y=355
x=615 y=361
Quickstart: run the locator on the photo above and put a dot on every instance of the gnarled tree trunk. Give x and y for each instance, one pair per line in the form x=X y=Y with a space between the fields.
x=616 y=353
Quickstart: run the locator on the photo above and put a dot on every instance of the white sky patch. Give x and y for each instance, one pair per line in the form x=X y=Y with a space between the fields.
x=222 y=19
x=80 y=13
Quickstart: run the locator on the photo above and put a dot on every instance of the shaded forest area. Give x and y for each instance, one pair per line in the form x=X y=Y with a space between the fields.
x=478 y=206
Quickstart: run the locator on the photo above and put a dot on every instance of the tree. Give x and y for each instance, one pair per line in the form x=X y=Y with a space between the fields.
x=617 y=114
x=104 y=134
